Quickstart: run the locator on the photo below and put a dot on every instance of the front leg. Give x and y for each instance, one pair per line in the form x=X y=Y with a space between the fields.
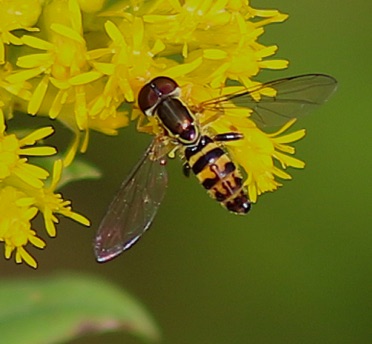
x=186 y=168
x=225 y=137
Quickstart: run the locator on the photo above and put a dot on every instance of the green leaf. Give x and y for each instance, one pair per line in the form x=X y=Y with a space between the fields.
x=63 y=307
x=79 y=170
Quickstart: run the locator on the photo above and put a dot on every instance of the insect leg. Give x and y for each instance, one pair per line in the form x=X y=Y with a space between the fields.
x=172 y=153
x=233 y=136
x=186 y=168
x=141 y=126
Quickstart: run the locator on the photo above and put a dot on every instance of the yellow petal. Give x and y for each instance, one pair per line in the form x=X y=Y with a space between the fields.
x=24 y=75
x=37 y=43
x=58 y=102
x=38 y=96
x=36 y=135
x=34 y=60
x=57 y=173
x=67 y=32
x=274 y=64
x=214 y=54
x=114 y=33
x=38 y=151
x=26 y=257
x=182 y=69
x=85 y=78
x=37 y=242
x=105 y=68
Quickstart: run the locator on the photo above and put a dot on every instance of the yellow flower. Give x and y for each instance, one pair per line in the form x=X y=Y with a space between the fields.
x=66 y=83
x=23 y=193
x=16 y=15
x=17 y=211
x=64 y=64
x=222 y=34
x=12 y=165
x=50 y=203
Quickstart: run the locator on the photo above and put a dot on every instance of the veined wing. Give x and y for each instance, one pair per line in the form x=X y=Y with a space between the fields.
x=296 y=96
x=134 y=207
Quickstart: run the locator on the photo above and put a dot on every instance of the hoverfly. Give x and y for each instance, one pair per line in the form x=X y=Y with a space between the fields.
x=135 y=205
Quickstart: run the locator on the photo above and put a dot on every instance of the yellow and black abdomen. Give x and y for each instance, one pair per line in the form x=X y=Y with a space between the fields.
x=218 y=174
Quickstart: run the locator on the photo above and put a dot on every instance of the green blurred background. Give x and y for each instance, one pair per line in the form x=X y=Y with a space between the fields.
x=298 y=268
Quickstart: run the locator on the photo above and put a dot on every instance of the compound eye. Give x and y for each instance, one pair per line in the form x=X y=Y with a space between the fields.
x=154 y=92
x=166 y=86
x=147 y=98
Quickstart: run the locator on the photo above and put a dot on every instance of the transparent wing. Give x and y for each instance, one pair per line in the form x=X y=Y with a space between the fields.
x=296 y=96
x=134 y=207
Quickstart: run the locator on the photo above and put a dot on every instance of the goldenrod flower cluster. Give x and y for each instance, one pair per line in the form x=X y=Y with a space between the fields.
x=79 y=61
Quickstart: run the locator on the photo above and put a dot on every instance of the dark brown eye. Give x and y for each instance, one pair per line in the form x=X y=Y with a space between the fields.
x=147 y=98
x=156 y=90
x=164 y=84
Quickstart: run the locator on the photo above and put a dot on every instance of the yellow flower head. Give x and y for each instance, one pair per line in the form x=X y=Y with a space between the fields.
x=14 y=165
x=23 y=193
x=17 y=212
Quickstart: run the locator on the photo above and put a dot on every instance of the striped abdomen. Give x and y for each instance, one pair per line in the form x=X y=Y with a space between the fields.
x=218 y=174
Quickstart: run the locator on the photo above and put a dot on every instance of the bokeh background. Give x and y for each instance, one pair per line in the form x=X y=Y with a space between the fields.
x=297 y=269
